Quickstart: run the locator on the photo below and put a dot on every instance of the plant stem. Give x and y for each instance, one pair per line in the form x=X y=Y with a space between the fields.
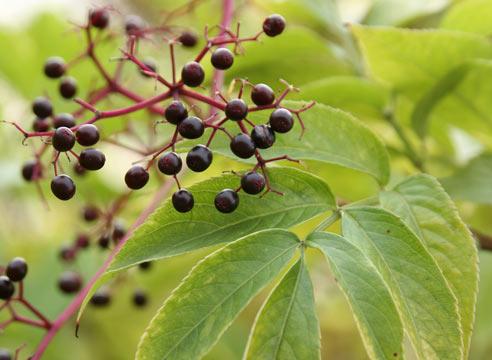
x=329 y=221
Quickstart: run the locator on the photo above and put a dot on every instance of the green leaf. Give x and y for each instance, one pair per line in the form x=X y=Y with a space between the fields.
x=424 y=206
x=426 y=304
x=374 y=310
x=197 y=313
x=287 y=326
x=473 y=16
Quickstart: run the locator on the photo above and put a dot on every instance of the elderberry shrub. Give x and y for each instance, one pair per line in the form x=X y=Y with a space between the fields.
x=63 y=139
x=226 y=201
x=236 y=110
x=6 y=288
x=99 y=18
x=192 y=74
x=16 y=269
x=281 y=120
x=170 y=163
x=199 y=158
x=183 y=200
x=188 y=39
x=222 y=59
x=64 y=120
x=92 y=159
x=137 y=177
x=262 y=95
x=68 y=87
x=87 y=135
x=175 y=112
x=70 y=282
x=252 y=183
x=42 y=107
x=191 y=128
x=54 y=67
x=63 y=187
x=274 y=25
x=263 y=136
x=243 y=146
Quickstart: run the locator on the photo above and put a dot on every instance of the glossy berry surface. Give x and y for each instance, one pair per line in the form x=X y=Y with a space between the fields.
x=183 y=200
x=243 y=146
x=90 y=213
x=192 y=74
x=41 y=125
x=70 y=282
x=92 y=159
x=170 y=163
x=263 y=136
x=137 y=177
x=281 y=120
x=99 y=18
x=175 y=112
x=118 y=232
x=133 y=23
x=274 y=25
x=188 y=39
x=87 y=135
x=68 y=87
x=151 y=64
x=191 y=128
x=236 y=109
x=222 y=59
x=16 y=269
x=5 y=354
x=252 y=182
x=42 y=107
x=54 y=67
x=64 y=119
x=28 y=169
x=101 y=297
x=103 y=241
x=63 y=187
x=139 y=298
x=226 y=201
x=63 y=139
x=199 y=158
x=262 y=95
x=6 y=288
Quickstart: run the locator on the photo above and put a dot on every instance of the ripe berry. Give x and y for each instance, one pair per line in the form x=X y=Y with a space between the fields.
x=41 y=125
x=140 y=298
x=274 y=25
x=192 y=74
x=281 y=120
x=145 y=265
x=133 y=23
x=252 y=182
x=54 y=67
x=191 y=128
x=6 y=288
x=87 y=135
x=226 y=201
x=99 y=18
x=63 y=139
x=183 y=200
x=64 y=119
x=16 y=269
x=90 y=213
x=92 y=159
x=262 y=95
x=78 y=169
x=70 y=282
x=118 y=232
x=5 y=354
x=136 y=177
x=101 y=297
x=42 y=107
x=263 y=136
x=243 y=146
x=82 y=241
x=236 y=109
x=28 y=169
x=175 y=112
x=199 y=158
x=151 y=64
x=222 y=59
x=67 y=253
x=68 y=87
x=188 y=39
x=63 y=187
x=104 y=241
x=170 y=163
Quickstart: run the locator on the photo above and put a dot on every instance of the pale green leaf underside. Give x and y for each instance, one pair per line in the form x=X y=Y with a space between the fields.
x=369 y=298
x=213 y=294
x=287 y=326
x=473 y=16
x=426 y=304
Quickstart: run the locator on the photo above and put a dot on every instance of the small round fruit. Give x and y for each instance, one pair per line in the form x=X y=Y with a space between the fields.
x=146 y=265
x=262 y=95
x=243 y=146
x=78 y=169
x=67 y=253
x=6 y=288
x=63 y=187
x=226 y=201
x=5 y=354
x=104 y=241
x=263 y=136
x=87 y=135
x=70 y=282
x=41 y=125
x=99 y=18
x=82 y=241
x=118 y=232
x=139 y=298
x=91 y=213
x=191 y=128
x=192 y=74
x=101 y=297
x=236 y=109
x=137 y=177
x=222 y=59
x=252 y=182
x=64 y=119
x=92 y=159
x=42 y=107
x=170 y=163
x=68 y=87
x=188 y=39
x=63 y=139
x=151 y=65
x=281 y=120
x=199 y=158
x=54 y=67
x=133 y=24
x=16 y=269
x=28 y=169
x=183 y=200
x=274 y=25
x=175 y=112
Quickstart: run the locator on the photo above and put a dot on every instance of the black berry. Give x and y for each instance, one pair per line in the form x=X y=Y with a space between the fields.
x=151 y=64
x=67 y=253
x=274 y=25
x=199 y=158
x=63 y=187
x=191 y=128
x=133 y=23
x=63 y=139
x=236 y=109
x=104 y=241
x=137 y=177
x=78 y=169
x=87 y=135
x=170 y=163
x=262 y=95
x=188 y=39
x=70 y=282
x=101 y=297
x=281 y=120
x=5 y=354
x=175 y=112
x=6 y=288
x=146 y=265
x=222 y=59
x=68 y=87
x=140 y=298
x=90 y=213
x=226 y=201
x=92 y=159
x=252 y=182
x=28 y=169
x=118 y=232
x=192 y=74
x=183 y=200
x=41 y=124
x=54 y=67
x=99 y=18
x=16 y=269
x=64 y=119
x=263 y=136
x=42 y=107
x=82 y=241
x=243 y=146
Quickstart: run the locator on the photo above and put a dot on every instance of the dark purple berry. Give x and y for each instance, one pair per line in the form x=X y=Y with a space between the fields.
x=236 y=109
x=67 y=253
x=262 y=95
x=281 y=120
x=99 y=18
x=243 y=146
x=54 y=67
x=87 y=135
x=137 y=177
x=92 y=159
x=170 y=163
x=68 y=87
x=263 y=136
x=146 y=265
x=42 y=107
x=6 y=288
x=63 y=187
x=82 y=241
x=104 y=241
x=78 y=169
x=41 y=124
x=192 y=74
x=101 y=297
x=70 y=282
x=188 y=39
x=63 y=139
x=133 y=24
x=16 y=269
x=64 y=119
x=118 y=232
x=252 y=182
x=199 y=158
x=274 y=25
x=28 y=169
x=5 y=354
x=226 y=201
x=222 y=59
x=183 y=200
x=191 y=128
x=175 y=112
x=140 y=298
x=151 y=64
x=91 y=213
